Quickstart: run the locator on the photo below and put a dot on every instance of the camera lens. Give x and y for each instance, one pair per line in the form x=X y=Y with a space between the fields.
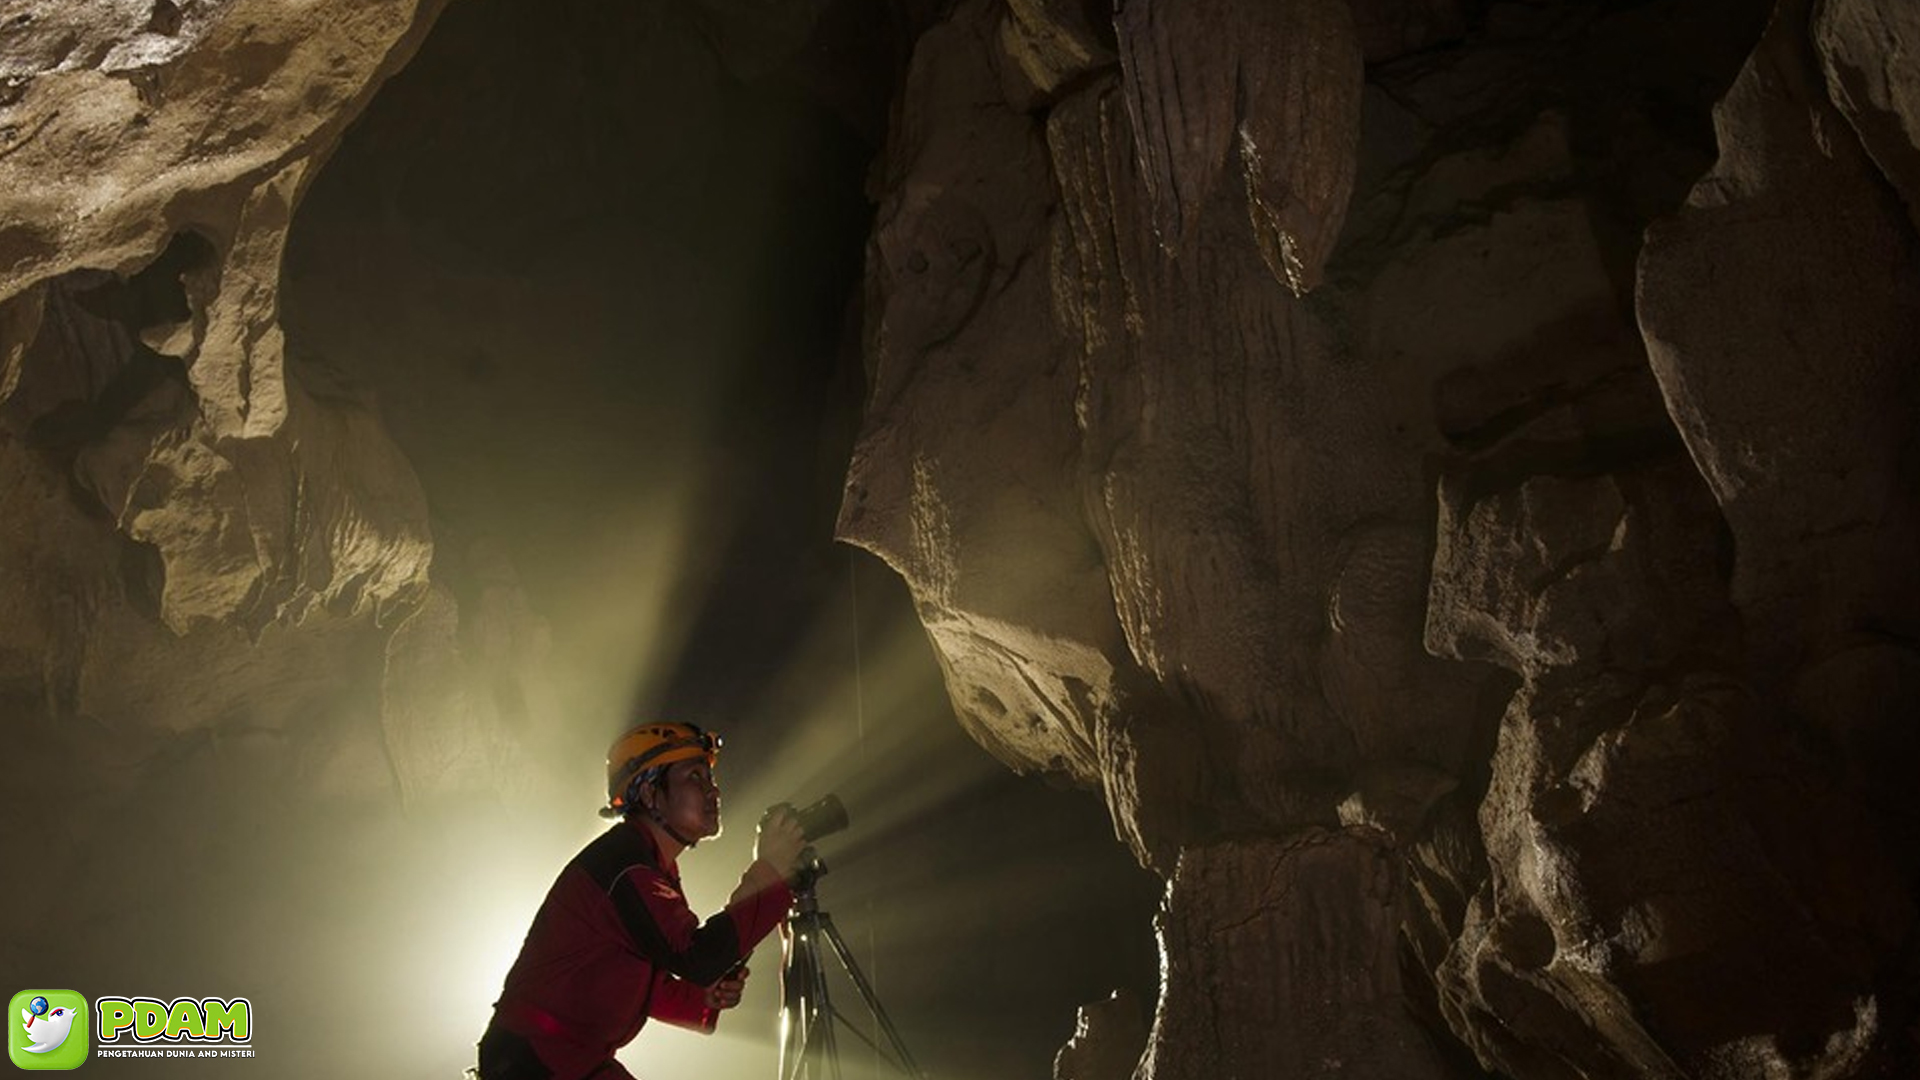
x=823 y=818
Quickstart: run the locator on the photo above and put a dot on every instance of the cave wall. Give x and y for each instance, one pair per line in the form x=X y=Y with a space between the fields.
x=214 y=535
x=223 y=664
x=1454 y=504
x=175 y=496
x=1441 y=472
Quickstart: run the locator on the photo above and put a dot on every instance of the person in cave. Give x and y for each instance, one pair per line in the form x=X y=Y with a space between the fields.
x=615 y=942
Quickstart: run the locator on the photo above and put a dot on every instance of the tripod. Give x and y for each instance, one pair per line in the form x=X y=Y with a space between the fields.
x=807 y=1015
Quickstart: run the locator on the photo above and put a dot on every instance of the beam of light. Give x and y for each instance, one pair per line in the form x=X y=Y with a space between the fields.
x=455 y=893
x=907 y=774
x=820 y=743
x=622 y=642
x=446 y=918
x=633 y=636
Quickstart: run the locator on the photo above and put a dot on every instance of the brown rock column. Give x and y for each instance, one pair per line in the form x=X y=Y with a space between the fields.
x=1158 y=527
x=1280 y=960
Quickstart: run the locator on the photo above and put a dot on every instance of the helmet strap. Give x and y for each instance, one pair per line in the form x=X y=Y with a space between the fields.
x=661 y=820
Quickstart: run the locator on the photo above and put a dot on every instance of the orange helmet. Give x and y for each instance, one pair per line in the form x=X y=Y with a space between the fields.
x=648 y=747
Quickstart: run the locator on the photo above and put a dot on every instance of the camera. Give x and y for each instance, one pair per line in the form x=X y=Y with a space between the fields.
x=823 y=818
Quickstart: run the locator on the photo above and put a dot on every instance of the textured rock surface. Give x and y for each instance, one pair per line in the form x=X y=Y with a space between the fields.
x=1107 y=1039
x=203 y=118
x=1566 y=584
x=182 y=497
x=230 y=519
x=1287 y=953
x=1265 y=93
x=154 y=160
x=1814 y=466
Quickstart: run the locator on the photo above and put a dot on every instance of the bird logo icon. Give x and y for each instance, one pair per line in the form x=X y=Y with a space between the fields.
x=47 y=1026
x=53 y=1030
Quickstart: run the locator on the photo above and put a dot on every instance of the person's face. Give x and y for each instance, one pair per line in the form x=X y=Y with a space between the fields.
x=689 y=799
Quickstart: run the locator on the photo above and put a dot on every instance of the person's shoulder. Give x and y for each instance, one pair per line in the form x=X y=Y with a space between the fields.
x=619 y=850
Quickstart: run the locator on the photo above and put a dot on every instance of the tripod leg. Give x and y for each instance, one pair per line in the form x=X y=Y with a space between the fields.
x=823 y=1012
x=866 y=993
x=800 y=1014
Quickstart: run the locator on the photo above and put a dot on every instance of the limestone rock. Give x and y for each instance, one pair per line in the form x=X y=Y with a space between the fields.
x=1794 y=254
x=1212 y=602
x=155 y=156
x=1054 y=42
x=1857 y=41
x=19 y=324
x=1270 y=91
x=1735 y=865
x=1456 y=448
x=1281 y=961
x=961 y=226
x=218 y=516
x=1107 y=1040
x=1563 y=572
x=191 y=506
x=163 y=119
x=324 y=514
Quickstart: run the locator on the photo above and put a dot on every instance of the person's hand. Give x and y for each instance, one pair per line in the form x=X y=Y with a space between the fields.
x=780 y=841
x=725 y=994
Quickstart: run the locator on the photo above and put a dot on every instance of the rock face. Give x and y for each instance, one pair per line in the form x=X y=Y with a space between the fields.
x=152 y=160
x=1442 y=473
x=210 y=541
x=1283 y=950
x=1497 y=628
x=218 y=601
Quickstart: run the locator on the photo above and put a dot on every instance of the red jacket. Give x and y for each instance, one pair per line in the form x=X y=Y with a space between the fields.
x=614 y=943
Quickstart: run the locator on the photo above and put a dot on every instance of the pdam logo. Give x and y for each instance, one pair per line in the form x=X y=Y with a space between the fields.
x=182 y=1027
x=47 y=1029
